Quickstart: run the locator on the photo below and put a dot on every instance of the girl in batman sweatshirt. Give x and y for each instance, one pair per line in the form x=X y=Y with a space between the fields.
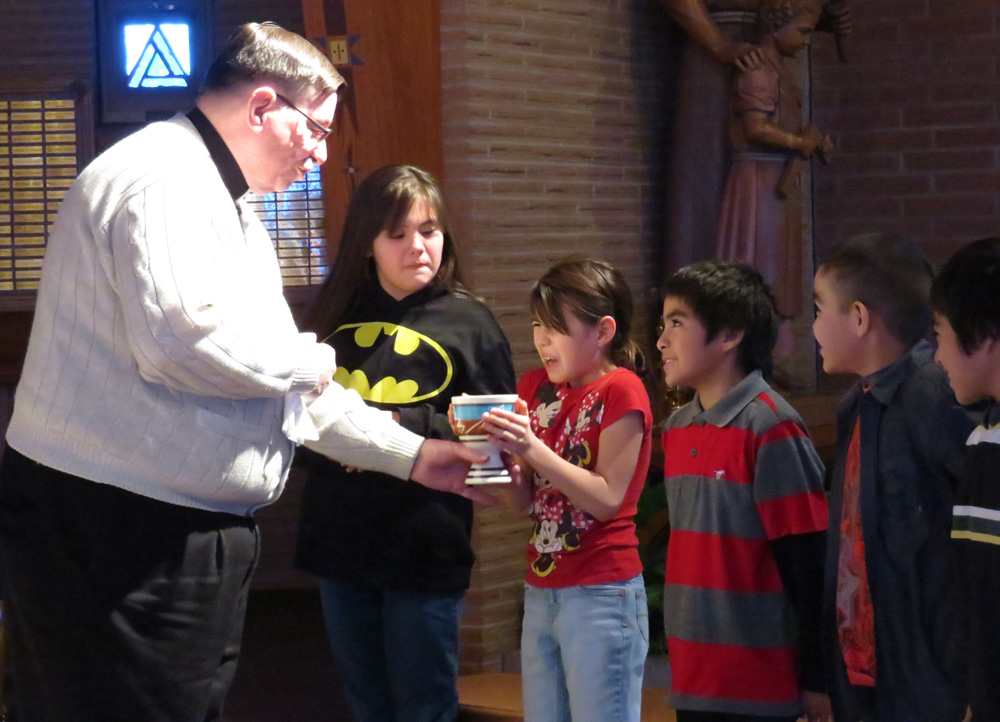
x=393 y=557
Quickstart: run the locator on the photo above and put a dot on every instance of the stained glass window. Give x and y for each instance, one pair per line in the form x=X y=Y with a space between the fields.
x=153 y=56
x=294 y=219
x=157 y=56
x=38 y=163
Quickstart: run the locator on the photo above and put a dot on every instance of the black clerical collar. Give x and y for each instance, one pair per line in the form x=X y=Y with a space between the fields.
x=223 y=158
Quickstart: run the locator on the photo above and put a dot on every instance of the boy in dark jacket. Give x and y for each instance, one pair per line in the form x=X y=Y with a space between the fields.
x=966 y=298
x=889 y=592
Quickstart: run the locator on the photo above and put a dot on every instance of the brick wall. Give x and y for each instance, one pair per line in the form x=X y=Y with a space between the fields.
x=549 y=145
x=551 y=127
x=916 y=110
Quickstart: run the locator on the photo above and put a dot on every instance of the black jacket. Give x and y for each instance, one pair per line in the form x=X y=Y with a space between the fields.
x=372 y=529
x=911 y=427
x=976 y=534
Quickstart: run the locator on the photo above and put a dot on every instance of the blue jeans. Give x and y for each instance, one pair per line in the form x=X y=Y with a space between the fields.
x=582 y=652
x=396 y=651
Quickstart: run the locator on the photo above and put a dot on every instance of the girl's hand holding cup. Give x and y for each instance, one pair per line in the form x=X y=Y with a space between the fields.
x=467 y=416
x=510 y=431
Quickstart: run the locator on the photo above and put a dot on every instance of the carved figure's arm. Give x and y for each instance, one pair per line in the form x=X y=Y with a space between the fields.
x=693 y=18
x=761 y=131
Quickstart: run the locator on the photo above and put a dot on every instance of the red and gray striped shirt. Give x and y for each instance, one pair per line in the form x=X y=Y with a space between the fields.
x=738 y=476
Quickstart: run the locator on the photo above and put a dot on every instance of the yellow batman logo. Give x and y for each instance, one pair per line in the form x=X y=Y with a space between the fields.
x=368 y=346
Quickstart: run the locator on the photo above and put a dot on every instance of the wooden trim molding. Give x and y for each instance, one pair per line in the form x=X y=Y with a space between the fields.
x=390 y=111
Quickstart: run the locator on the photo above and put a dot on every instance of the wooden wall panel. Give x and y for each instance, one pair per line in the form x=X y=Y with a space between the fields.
x=6 y=410
x=230 y=14
x=397 y=88
x=48 y=39
x=391 y=109
x=49 y=44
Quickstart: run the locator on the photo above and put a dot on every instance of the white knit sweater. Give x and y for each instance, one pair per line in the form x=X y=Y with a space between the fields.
x=162 y=345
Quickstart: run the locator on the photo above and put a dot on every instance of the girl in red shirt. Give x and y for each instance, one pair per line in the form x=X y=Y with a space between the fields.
x=580 y=436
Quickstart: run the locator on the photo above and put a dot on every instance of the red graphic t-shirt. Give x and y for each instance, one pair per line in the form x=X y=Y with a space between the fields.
x=568 y=546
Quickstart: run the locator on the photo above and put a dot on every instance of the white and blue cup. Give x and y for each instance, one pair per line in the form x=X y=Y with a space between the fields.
x=467 y=412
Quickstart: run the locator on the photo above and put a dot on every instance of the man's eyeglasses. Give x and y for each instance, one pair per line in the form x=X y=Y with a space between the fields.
x=319 y=131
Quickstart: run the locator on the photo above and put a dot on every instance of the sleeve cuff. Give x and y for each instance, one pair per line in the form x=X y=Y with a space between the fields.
x=358 y=435
x=399 y=454
x=319 y=359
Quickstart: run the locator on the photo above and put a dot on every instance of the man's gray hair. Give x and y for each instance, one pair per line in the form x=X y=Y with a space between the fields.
x=266 y=52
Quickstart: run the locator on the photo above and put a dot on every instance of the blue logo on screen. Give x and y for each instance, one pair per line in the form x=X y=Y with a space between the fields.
x=158 y=56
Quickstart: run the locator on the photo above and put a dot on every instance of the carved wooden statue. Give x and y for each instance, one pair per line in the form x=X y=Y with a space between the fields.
x=768 y=141
x=721 y=33
x=723 y=36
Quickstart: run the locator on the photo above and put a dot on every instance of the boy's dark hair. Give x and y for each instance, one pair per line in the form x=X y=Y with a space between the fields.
x=890 y=275
x=731 y=295
x=967 y=293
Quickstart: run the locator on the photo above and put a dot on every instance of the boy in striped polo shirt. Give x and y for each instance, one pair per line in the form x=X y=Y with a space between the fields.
x=890 y=593
x=747 y=511
x=966 y=299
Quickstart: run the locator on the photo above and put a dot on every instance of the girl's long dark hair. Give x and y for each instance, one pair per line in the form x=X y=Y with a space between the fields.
x=380 y=203
x=590 y=290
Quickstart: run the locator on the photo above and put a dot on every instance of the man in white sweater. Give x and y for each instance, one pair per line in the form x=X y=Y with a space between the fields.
x=147 y=425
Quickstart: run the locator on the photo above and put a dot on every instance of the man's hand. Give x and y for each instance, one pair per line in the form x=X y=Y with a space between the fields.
x=826 y=148
x=816 y=707
x=744 y=56
x=325 y=379
x=443 y=465
x=837 y=17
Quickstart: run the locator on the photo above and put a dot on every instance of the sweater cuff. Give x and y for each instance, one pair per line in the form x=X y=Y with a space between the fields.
x=358 y=435
x=317 y=359
x=399 y=453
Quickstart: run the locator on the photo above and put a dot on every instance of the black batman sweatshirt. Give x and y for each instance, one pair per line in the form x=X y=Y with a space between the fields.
x=409 y=356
